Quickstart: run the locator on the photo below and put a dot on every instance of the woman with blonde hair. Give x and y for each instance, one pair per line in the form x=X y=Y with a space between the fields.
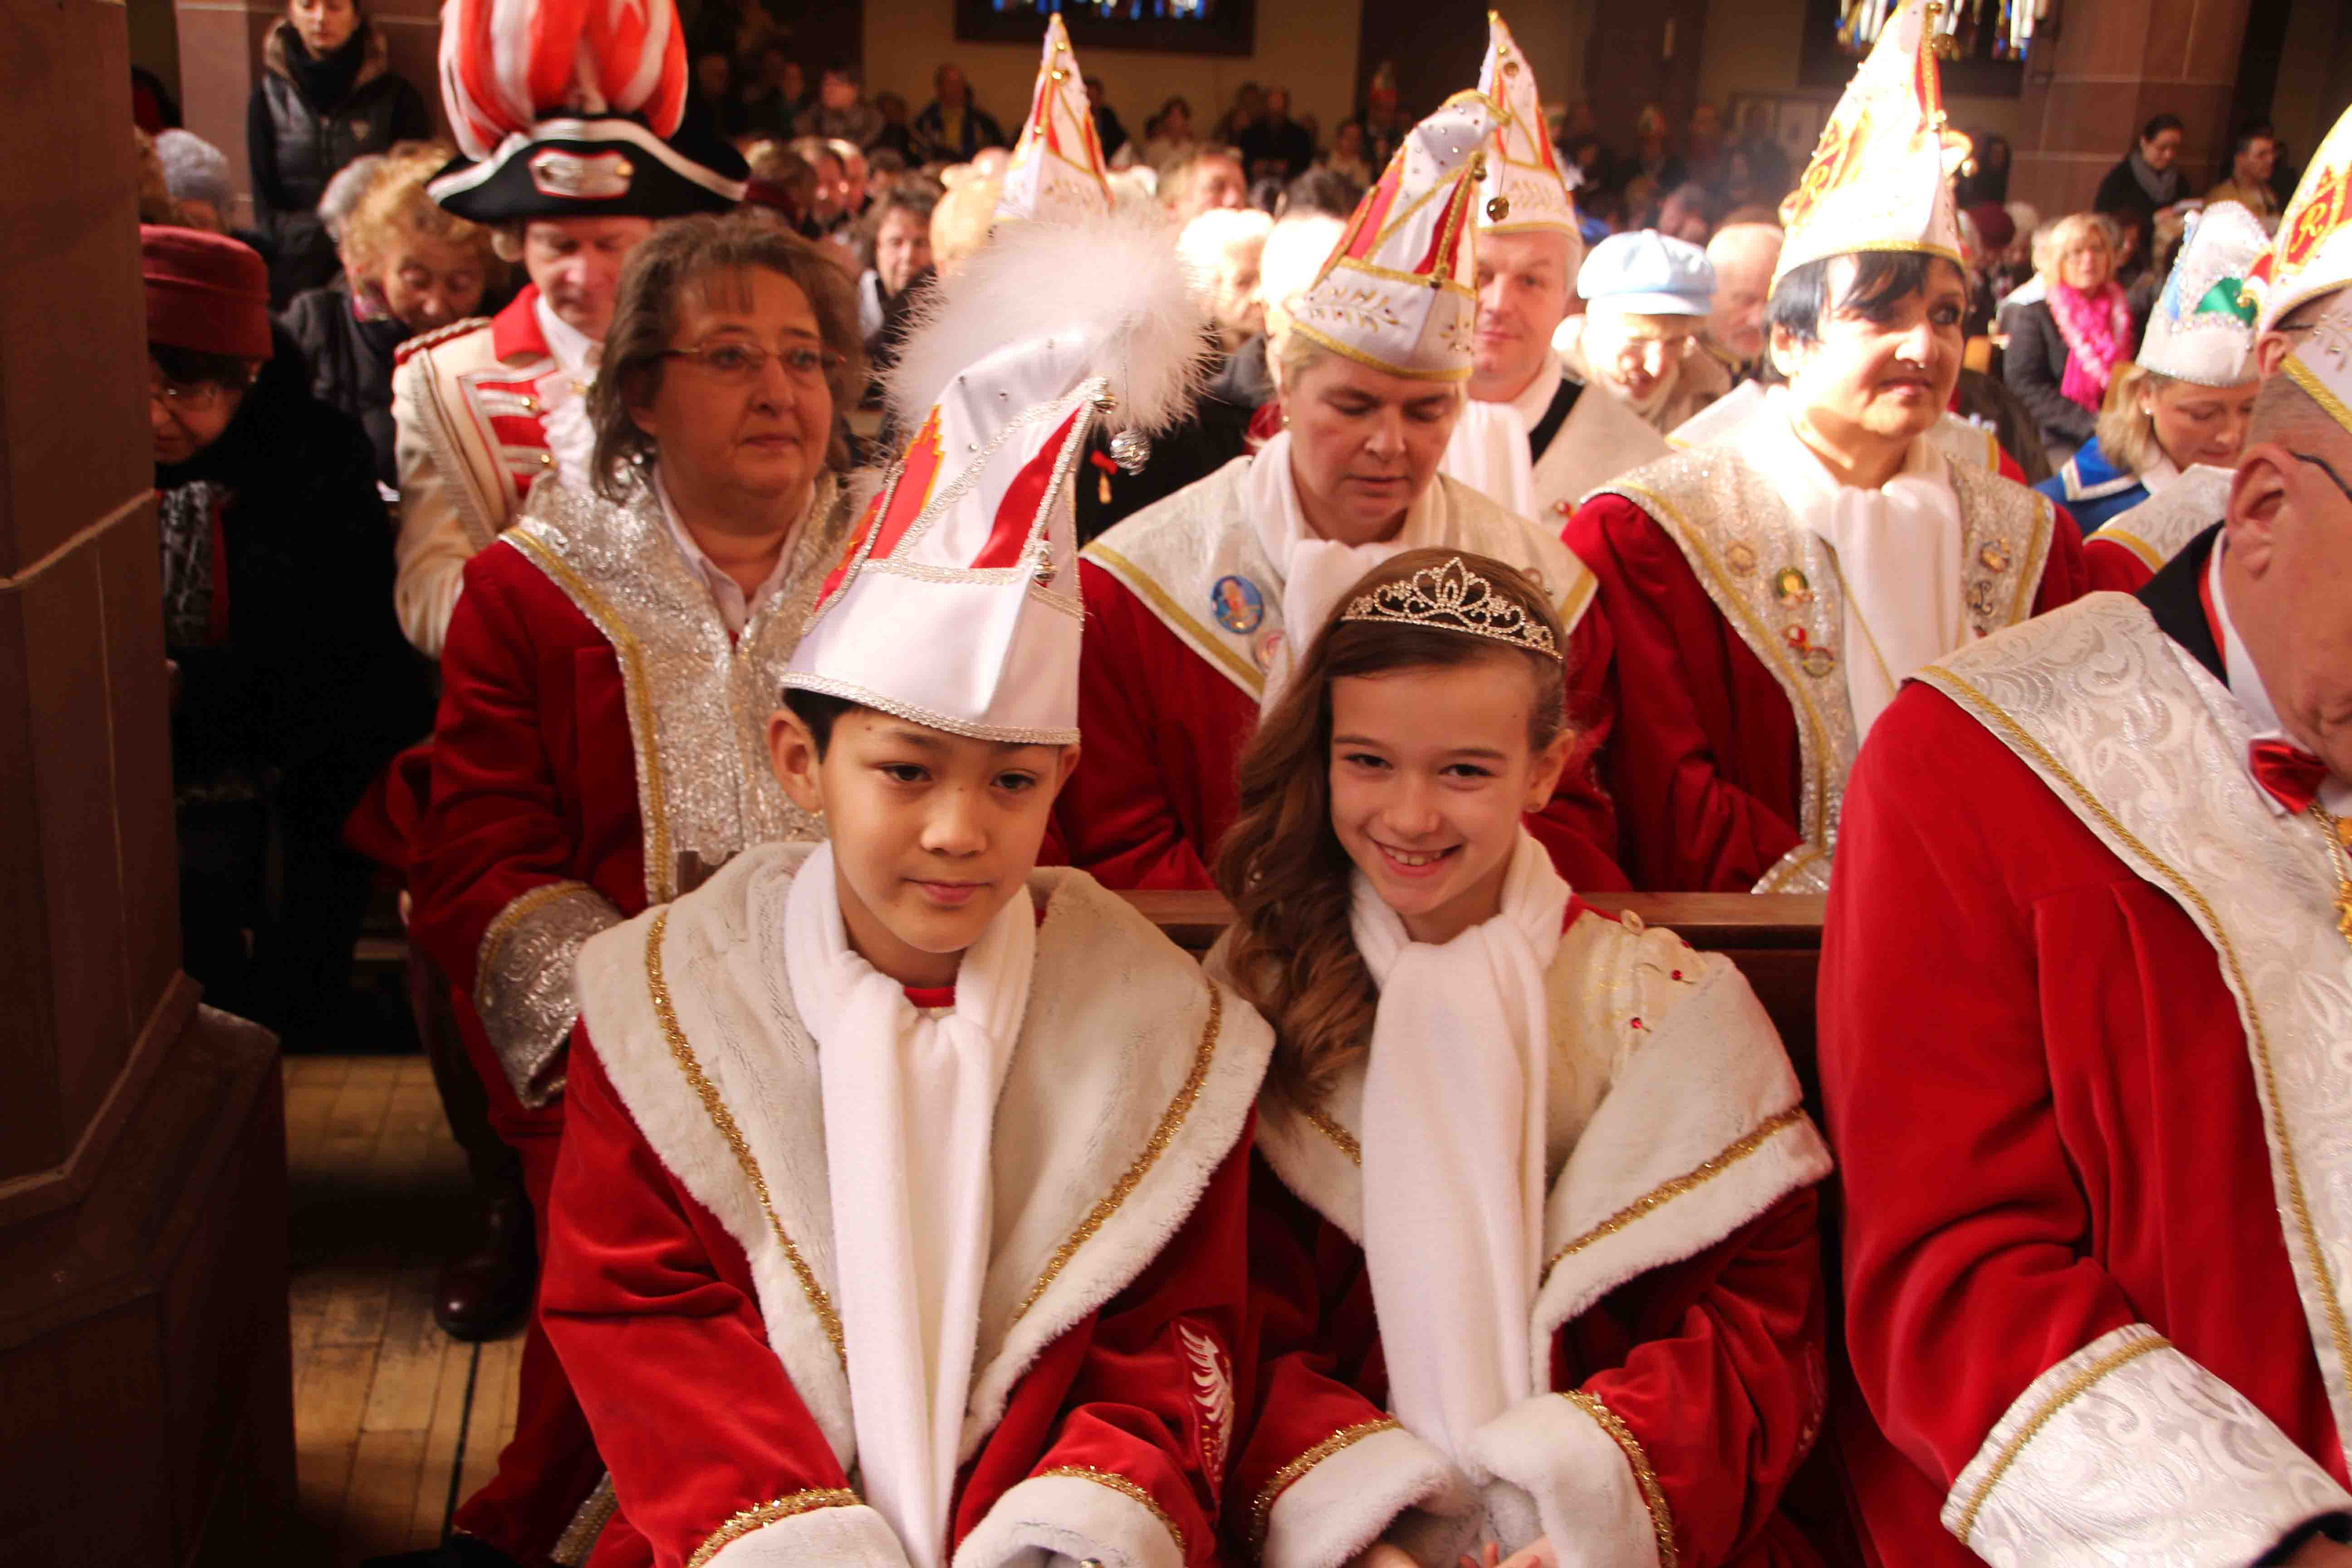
x=1498 y=1313
x=409 y=266
x=2063 y=349
x=2184 y=405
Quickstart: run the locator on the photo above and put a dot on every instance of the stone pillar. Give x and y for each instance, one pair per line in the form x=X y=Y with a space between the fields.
x=220 y=60
x=144 y=1358
x=2115 y=65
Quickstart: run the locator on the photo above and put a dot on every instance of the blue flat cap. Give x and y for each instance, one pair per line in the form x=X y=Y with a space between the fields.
x=1648 y=274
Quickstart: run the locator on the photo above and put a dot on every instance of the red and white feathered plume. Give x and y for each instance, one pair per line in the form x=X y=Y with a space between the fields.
x=507 y=64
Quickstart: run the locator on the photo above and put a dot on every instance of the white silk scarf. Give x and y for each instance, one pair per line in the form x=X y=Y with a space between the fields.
x=1454 y=1125
x=909 y=1104
x=1315 y=571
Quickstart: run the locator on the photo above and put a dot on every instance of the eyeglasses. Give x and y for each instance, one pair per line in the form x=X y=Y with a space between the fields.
x=188 y=397
x=2323 y=466
x=1656 y=354
x=742 y=364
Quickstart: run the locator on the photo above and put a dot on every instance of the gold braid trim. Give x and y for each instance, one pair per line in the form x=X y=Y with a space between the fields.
x=1699 y=1176
x=1662 y=1519
x=520 y=909
x=1171 y=1121
x=2076 y=1387
x=1119 y=1484
x=1339 y=1135
x=1262 y=1508
x=768 y=1514
x=724 y=1119
x=2339 y=1329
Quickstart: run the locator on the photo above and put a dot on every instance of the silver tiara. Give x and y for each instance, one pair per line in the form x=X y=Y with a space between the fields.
x=1453 y=598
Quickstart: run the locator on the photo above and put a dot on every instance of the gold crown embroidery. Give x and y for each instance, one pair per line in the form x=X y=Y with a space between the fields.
x=1453 y=598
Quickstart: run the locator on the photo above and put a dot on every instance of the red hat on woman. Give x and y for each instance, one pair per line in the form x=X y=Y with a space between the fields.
x=206 y=293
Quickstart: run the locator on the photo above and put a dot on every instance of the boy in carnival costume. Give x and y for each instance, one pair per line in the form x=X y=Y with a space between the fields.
x=904 y=1159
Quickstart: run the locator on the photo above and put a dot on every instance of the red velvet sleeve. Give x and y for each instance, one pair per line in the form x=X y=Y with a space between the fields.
x=1117 y=815
x=1304 y=1362
x=663 y=1344
x=1682 y=825
x=1724 y=1385
x=2112 y=568
x=497 y=826
x=1149 y=1398
x=1965 y=1225
x=1578 y=828
x=2067 y=574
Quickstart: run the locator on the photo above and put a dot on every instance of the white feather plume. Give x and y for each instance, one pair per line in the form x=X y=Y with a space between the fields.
x=1115 y=277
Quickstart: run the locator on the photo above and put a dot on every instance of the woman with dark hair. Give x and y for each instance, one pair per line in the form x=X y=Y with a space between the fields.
x=291 y=685
x=1986 y=179
x=327 y=95
x=2148 y=181
x=1768 y=593
x=1489 y=1318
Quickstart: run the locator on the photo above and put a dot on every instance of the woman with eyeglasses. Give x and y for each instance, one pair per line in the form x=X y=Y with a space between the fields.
x=290 y=684
x=610 y=665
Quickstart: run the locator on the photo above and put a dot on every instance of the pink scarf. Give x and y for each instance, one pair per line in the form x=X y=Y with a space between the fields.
x=2095 y=327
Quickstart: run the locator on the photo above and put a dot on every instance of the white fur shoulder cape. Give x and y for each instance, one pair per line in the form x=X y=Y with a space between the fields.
x=1132 y=1079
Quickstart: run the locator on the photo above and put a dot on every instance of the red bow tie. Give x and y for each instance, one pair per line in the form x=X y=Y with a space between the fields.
x=2292 y=774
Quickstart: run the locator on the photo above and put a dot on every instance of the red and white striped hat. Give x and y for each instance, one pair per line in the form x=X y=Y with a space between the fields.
x=575 y=109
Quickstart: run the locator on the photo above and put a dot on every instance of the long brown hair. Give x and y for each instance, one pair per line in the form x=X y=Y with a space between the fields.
x=1291 y=952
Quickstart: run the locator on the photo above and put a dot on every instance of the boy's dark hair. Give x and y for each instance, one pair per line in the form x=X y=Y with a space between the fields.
x=818 y=711
x=1882 y=279
x=193 y=367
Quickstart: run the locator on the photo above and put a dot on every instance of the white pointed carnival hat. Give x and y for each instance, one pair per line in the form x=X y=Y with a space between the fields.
x=2203 y=329
x=2313 y=253
x=575 y=109
x=956 y=603
x=1524 y=191
x=1877 y=180
x=1399 y=292
x=2311 y=260
x=1057 y=170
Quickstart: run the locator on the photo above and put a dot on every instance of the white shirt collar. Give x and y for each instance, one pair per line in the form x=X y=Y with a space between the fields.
x=2160 y=476
x=1534 y=400
x=727 y=596
x=570 y=345
x=2245 y=683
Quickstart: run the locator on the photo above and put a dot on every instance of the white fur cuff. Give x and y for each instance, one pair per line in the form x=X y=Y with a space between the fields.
x=1560 y=1451
x=1067 y=1516
x=1344 y=1502
x=2127 y=1451
x=849 y=1534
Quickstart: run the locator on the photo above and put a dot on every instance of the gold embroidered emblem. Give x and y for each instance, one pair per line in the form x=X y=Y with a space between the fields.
x=1994 y=557
x=1740 y=558
x=1792 y=588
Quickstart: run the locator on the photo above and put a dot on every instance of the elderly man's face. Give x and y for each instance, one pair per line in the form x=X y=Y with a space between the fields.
x=2288 y=577
x=1744 y=257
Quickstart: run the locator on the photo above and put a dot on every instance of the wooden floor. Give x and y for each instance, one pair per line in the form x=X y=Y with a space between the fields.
x=394 y=1421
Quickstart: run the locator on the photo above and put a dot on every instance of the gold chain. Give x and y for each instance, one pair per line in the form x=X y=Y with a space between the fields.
x=2334 y=829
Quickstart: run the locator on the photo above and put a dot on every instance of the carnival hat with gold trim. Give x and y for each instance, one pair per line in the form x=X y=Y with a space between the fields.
x=2313 y=253
x=1877 y=180
x=1398 y=292
x=1057 y=169
x=1524 y=191
x=956 y=604
x=2203 y=329
x=575 y=109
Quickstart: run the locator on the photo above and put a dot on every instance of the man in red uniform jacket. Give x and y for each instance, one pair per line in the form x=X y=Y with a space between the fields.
x=1768 y=593
x=2082 y=1015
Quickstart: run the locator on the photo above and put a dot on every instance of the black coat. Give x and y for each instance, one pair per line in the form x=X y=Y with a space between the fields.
x=306 y=120
x=2035 y=367
x=980 y=130
x=2119 y=193
x=313 y=681
x=351 y=365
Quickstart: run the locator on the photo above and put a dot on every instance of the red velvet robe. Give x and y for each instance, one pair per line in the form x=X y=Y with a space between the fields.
x=1156 y=785
x=1705 y=762
x=1708 y=1350
x=534 y=782
x=2047 y=1123
x=656 y=1311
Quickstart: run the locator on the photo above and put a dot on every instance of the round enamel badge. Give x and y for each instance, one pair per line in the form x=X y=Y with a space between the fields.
x=1237 y=604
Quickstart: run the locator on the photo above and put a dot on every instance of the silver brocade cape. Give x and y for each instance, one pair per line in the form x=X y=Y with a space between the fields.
x=1776 y=583
x=1173 y=555
x=2160 y=527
